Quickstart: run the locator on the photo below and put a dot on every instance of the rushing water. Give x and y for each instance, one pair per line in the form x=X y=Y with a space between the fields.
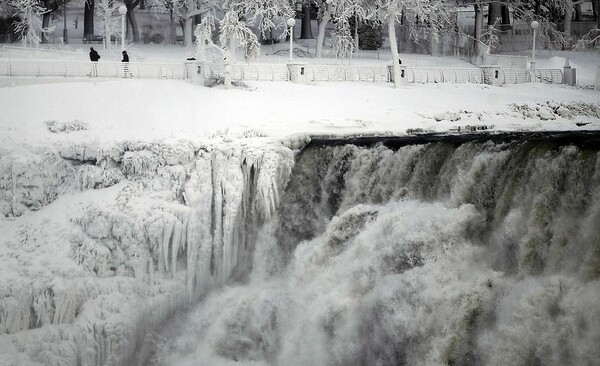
x=441 y=253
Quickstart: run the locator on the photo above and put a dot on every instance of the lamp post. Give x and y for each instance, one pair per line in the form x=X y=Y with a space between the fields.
x=291 y=22
x=122 y=11
x=534 y=25
x=65 y=40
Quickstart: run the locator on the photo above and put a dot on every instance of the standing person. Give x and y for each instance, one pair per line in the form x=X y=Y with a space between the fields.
x=125 y=59
x=94 y=57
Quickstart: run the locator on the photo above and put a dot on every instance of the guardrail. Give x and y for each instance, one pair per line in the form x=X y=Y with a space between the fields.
x=518 y=76
x=57 y=68
x=323 y=73
x=425 y=75
x=39 y=52
x=313 y=73
x=249 y=72
x=272 y=72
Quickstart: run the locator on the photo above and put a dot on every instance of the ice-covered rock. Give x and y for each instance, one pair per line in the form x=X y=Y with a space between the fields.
x=564 y=112
x=546 y=113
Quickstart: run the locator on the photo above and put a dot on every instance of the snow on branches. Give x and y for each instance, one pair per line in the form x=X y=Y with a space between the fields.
x=30 y=26
x=236 y=32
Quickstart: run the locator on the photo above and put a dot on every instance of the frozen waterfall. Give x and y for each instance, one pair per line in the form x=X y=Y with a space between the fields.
x=434 y=250
x=105 y=243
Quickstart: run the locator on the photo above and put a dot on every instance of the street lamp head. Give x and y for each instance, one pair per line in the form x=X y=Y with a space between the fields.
x=535 y=24
x=291 y=22
x=122 y=10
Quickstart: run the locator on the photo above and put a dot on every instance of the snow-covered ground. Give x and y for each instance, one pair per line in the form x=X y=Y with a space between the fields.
x=155 y=109
x=100 y=179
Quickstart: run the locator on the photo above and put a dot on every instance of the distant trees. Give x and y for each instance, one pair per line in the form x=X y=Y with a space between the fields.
x=236 y=21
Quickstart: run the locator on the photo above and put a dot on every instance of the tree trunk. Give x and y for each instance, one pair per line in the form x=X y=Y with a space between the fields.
x=478 y=29
x=578 y=12
x=134 y=27
x=188 y=40
x=394 y=48
x=321 y=36
x=356 y=41
x=306 y=31
x=567 y=21
x=45 y=23
x=173 y=28
x=88 y=19
x=232 y=49
x=434 y=38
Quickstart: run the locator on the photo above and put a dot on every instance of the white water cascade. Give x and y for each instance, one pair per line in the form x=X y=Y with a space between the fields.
x=445 y=253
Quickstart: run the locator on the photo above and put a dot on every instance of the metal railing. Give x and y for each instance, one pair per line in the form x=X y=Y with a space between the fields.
x=518 y=76
x=55 y=68
x=268 y=72
x=275 y=72
x=248 y=72
x=425 y=75
x=347 y=73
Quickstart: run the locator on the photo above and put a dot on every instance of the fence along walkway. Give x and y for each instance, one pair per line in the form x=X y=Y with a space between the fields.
x=92 y=69
x=322 y=73
x=518 y=76
x=276 y=72
x=441 y=75
x=267 y=72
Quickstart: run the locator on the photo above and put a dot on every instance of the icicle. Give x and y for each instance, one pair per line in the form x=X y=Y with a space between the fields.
x=176 y=242
x=167 y=233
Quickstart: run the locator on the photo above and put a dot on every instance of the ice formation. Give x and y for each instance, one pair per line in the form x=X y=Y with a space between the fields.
x=85 y=277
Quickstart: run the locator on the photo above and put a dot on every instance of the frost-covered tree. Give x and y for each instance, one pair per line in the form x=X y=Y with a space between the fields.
x=235 y=33
x=265 y=15
x=434 y=13
x=549 y=13
x=240 y=15
x=50 y=6
x=30 y=25
x=110 y=26
x=187 y=10
x=340 y=12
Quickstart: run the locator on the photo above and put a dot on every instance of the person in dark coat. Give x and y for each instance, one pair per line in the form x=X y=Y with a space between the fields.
x=125 y=59
x=94 y=56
